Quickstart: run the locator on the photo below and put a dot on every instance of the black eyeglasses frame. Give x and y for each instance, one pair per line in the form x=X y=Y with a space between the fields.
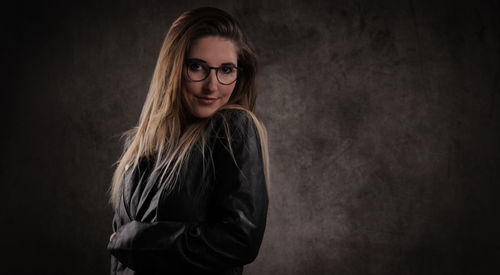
x=238 y=70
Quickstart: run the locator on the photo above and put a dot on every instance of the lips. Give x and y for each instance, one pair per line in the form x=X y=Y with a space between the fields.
x=206 y=100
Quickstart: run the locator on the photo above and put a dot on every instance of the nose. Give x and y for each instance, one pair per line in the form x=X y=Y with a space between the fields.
x=211 y=82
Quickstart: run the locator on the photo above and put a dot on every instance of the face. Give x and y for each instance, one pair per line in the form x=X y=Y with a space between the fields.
x=203 y=98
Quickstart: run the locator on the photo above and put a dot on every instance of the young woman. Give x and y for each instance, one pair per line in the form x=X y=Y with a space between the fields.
x=190 y=189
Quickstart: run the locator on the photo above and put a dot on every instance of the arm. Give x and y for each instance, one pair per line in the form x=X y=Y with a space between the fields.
x=232 y=238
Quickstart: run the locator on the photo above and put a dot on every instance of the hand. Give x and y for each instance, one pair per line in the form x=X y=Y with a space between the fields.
x=112 y=235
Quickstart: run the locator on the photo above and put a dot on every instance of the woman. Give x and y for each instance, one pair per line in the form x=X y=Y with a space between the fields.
x=190 y=189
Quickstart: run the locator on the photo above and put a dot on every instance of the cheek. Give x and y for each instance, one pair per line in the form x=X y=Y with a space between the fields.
x=192 y=87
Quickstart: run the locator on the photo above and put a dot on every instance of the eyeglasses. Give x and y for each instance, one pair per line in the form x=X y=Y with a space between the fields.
x=198 y=70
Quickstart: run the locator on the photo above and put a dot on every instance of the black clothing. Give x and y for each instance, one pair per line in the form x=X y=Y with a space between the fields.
x=212 y=224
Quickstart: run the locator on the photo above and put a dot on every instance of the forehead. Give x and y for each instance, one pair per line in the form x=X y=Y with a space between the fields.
x=214 y=50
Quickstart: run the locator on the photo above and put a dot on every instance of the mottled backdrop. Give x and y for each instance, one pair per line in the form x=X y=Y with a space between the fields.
x=383 y=120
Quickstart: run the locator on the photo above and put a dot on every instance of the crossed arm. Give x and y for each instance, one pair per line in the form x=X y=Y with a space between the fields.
x=233 y=238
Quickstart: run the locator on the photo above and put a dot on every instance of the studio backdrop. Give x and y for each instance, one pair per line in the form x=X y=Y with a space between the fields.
x=383 y=122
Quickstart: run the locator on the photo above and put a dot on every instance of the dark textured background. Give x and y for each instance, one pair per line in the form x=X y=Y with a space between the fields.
x=383 y=119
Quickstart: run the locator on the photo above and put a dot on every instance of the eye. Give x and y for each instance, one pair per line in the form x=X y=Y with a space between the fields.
x=227 y=69
x=195 y=67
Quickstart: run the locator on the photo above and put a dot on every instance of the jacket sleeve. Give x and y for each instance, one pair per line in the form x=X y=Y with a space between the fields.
x=231 y=238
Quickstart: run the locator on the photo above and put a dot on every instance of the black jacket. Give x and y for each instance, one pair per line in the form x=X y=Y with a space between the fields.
x=212 y=224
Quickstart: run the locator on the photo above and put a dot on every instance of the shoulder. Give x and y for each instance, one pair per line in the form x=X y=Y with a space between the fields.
x=234 y=116
x=237 y=121
x=235 y=126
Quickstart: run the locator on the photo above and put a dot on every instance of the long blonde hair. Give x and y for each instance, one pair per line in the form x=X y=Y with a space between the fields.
x=162 y=132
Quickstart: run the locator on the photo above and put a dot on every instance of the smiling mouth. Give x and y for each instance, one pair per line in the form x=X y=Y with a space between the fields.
x=206 y=100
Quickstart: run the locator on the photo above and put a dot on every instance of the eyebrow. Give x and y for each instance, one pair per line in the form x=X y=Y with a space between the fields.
x=203 y=61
